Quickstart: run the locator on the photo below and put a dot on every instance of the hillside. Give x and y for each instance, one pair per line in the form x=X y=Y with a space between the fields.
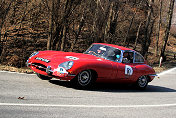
x=28 y=26
x=152 y=60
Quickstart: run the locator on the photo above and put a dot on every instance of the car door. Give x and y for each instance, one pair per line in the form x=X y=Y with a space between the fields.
x=126 y=69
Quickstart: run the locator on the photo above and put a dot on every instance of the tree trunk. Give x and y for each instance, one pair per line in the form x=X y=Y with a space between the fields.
x=63 y=39
x=3 y=47
x=1 y=42
x=94 y=27
x=127 y=34
x=167 y=31
x=51 y=27
x=107 y=26
x=62 y=26
x=58 y=37
x=3 y=18
x=149 y=39
x=159 y=27
x=81 y=24
x=113 y=24
x=137 y=35
x=146 y=38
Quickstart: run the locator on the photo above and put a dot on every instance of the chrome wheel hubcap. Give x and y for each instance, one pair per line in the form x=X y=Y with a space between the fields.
x=84 y=78
x=142 y=81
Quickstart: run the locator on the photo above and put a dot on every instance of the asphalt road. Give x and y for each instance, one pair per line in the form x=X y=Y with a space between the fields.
x=49 y=99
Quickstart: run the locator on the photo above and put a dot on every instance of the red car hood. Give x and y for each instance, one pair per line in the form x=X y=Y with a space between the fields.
x=57 y=57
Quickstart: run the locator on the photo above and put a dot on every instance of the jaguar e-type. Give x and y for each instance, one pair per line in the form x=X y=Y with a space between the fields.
x=99 y=63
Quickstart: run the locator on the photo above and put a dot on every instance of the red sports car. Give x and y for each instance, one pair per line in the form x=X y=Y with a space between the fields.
x=100 y=63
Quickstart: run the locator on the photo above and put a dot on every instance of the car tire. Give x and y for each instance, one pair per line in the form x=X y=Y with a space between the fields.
x=84 y=79
x=43 y=77
x=142 y=82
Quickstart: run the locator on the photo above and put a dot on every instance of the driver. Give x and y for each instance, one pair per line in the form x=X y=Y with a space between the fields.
x=113 y=54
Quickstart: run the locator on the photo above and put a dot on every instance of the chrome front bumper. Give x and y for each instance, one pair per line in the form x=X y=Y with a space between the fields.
x=47 y=69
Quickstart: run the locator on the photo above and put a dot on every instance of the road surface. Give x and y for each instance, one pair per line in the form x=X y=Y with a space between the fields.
x=49 y=99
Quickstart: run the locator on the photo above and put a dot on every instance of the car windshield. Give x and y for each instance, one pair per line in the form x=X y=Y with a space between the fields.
x=105 y=52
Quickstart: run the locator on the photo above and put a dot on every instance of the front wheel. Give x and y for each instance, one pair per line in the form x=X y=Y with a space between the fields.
x=43 y=77
x=84 y=79
x=142 y=82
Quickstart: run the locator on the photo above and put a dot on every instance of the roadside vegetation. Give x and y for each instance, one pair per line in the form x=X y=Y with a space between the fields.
x=73 y=25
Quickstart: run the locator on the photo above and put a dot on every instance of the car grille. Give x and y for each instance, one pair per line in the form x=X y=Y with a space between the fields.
x=39 y=66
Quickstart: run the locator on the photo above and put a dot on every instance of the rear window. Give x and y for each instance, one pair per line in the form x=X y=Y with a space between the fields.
x=138 y=58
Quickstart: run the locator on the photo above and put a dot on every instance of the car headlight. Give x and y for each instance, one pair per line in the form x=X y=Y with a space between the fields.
x=33 y=54
x=67 y=65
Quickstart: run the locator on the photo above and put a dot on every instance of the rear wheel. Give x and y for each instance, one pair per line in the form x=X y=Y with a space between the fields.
x=43 y=77
x=142 y=82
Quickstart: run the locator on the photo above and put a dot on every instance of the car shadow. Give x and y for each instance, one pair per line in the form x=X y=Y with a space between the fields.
x=109 y=87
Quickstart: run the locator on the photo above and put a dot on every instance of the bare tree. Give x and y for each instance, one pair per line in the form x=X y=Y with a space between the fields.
x=148 y=28
x=159 y=27
x=137 y=35
x=72 y=25
x=51 y=25
x=127 y=34
x=5 y=7
x=108 y=22
x=167 y=31
x=111 y=18
x=62 y=22
x=81 y=24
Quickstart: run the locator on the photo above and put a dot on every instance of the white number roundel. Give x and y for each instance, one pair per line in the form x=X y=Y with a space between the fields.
x=72 y=58
x=128 y=70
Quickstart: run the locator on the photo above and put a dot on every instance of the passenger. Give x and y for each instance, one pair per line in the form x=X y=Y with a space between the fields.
x=127 y=57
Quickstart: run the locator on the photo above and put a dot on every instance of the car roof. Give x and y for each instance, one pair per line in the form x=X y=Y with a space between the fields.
x=115 y=46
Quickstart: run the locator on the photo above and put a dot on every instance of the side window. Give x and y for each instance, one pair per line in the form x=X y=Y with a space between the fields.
x=138 y=58
x=113 y=54
x=127 y=57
